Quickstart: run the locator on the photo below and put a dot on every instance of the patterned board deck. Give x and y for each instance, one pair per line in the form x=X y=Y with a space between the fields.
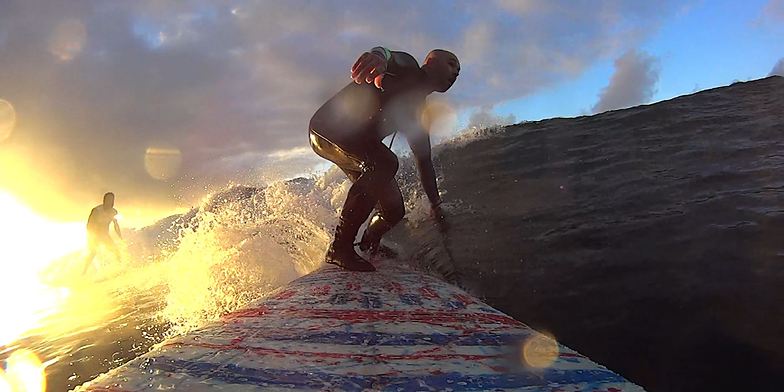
x=395 y=329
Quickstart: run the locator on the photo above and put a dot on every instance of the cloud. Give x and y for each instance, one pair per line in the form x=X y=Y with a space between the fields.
x=484 y=117
x=632 y=83
x=770 y=15
x=774 y=10
x=778 y=69
x=102 y=82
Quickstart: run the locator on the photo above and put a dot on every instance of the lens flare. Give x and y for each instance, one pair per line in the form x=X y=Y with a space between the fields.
x=162 y=163
x=24 y=373
x=438 y=116
x=67 y=40
x=356 y=107
x=7 y=119
x=540 y=351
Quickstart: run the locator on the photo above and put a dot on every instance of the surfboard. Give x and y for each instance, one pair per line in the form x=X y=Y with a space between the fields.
x=395 y=329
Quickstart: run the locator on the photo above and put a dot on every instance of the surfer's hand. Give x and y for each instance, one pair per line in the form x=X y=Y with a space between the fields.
x=369 y=67
x=438 y=215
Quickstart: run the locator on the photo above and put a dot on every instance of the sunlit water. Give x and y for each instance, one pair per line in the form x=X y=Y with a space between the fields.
x=238 y=245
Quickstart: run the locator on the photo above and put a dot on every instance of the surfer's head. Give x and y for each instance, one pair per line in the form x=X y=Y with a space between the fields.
x=108 y=200
x=442 y=68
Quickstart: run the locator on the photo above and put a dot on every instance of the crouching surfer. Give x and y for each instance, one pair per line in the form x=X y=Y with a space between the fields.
x=388 y=91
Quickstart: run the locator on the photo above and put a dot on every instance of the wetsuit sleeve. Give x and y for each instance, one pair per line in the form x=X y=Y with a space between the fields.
x=420 y=147
x=401 y=63
x=117 y=228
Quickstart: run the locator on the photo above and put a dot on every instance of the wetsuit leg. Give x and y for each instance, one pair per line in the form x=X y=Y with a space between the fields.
x=96 y=240
x=390 y=211
x=376 y=165
x=92 y=248
x=330 y=151
x=109 y=244
x=352 y=174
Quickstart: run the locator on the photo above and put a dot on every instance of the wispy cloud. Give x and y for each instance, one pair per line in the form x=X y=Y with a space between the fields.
x=774 y=10
x=778 y=69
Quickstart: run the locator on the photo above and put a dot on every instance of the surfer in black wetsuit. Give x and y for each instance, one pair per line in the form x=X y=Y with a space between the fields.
x=387 y=96
x=98 y=229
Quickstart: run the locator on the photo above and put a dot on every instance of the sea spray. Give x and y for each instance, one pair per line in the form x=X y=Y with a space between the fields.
x=234 y=247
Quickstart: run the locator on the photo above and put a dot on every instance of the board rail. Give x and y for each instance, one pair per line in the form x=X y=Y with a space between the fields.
x=396 y=329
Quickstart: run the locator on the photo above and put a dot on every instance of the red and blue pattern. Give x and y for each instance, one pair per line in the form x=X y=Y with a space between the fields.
x=393 y=330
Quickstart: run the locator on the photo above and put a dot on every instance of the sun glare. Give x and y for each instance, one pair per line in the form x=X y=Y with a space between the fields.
x=30 y=244
x=7 y=119
x=24 y=373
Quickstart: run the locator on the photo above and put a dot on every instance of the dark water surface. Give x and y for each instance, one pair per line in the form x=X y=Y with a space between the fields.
x=649 y=239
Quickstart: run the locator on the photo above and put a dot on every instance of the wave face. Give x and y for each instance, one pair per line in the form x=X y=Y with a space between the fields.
x=649 y=239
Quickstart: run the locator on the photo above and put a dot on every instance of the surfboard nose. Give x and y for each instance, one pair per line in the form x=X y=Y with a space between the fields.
x=398 y=329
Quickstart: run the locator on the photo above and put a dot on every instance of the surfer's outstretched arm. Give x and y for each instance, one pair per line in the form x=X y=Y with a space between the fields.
x=117 y=228
x=420 y=147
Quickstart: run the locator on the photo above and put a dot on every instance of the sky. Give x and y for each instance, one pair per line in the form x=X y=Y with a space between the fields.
x=163 y=102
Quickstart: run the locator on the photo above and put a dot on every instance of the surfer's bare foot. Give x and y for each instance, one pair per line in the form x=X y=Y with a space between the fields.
x=348 y=259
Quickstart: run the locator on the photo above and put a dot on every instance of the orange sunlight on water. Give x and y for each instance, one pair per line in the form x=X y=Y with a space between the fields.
x=24 y=373
x=55 y=309
x=30 y=244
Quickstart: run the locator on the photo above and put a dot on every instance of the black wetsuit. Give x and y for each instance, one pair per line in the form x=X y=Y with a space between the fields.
x=98 y=230
x=348 y=130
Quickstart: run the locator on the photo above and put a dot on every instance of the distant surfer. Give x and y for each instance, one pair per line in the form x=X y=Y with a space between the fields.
x=388 y=92
x=98 y=229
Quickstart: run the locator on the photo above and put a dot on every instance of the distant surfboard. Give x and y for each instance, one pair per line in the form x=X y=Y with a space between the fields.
x=395 y=329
